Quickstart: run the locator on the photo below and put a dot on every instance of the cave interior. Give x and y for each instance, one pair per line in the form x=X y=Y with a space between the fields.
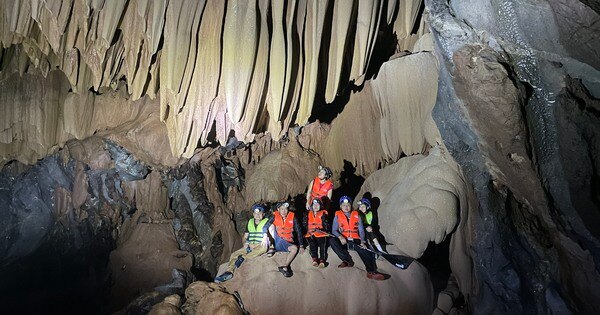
x=136 y=136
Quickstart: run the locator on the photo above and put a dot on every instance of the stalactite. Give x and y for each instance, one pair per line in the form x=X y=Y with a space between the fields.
x=249 y=67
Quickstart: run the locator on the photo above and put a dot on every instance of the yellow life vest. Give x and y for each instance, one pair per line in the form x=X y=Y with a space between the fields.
x=255 y=232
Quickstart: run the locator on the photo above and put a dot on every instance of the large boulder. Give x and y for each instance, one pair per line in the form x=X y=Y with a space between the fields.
x=282 y=173
x=264 y=290
x=420 y=197
x=207 y=298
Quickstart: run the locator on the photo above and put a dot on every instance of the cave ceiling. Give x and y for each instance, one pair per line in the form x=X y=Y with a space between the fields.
x=207 y=70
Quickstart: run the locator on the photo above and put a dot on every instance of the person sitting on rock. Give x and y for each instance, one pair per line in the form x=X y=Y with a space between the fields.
x=287 y=235
x=316 y=226
x=348 y=228
x=256 y=242
x=364 y=206
x=320 y=187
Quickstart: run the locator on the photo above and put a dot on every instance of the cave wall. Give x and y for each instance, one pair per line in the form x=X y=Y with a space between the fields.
x=504 y=80
x=95 y=224
x=40 y=114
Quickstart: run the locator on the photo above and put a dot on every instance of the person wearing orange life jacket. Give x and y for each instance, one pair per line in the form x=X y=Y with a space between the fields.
x=320 y=187
x=255 y=242
x=316 y=226
x=287 y=235
x=348 y=227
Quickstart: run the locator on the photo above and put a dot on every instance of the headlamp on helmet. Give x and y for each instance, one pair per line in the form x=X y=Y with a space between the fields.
x=318 y=202
x=283 y=204
x=366 y=202
x=345 y=199
x=258 y=208
x=327 y=170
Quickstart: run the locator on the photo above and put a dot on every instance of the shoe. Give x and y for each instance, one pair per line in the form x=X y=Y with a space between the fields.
x=270 y=252
x=322 y=263
x=315 y=262
x=239 y=261
x=345 y=264
x=224 y=277
x=377 y=276
x=286 y=271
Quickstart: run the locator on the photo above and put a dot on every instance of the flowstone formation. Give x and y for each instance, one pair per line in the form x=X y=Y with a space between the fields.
x=214 y=65
x=420 y=198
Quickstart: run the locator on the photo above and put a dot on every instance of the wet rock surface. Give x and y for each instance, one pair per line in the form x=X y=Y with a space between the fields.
x=194 y=218
x=48 y=241
x=497 y=113
x=578 y=119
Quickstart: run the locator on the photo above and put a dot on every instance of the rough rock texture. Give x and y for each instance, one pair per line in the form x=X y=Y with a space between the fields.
x=419 y=199
x=94 y=196
x=210 y=298
x=523 y=247
x=147 y=250
x=281 y=174
x=577 y=118
x=41 y=114
x=58 y=220
x=331 y=290
x=200 y=225
x=169 y=306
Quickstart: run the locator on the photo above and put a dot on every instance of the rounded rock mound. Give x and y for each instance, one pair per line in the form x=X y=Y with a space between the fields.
x=331 y=290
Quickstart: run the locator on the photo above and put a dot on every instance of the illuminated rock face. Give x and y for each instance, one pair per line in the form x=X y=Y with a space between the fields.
x=419 y=200
x=212 y=64
x=330 y=290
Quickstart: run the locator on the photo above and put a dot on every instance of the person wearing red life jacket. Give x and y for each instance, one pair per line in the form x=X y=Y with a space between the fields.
x=320 y=187
x=316 y=226
x=287 y=235
x=348 y=228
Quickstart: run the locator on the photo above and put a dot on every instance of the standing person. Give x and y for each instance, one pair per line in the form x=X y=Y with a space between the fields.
x=364 y=206
x=287 y=235
x=348 y=228
x=316 y=227
x=320 y=187
x=255 y=242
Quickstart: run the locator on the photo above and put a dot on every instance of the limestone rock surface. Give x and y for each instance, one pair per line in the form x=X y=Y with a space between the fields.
x=420 y=200
x=331 y=290
x=389 y=117
x=210 y=298
x=241 y=66
x=281 y=173
x=510 y=72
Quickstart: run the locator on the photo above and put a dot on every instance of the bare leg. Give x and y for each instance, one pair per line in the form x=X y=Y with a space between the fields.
x=293 y=251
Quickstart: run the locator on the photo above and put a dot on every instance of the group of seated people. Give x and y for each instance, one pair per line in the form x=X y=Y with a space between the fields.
x=349 y=229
